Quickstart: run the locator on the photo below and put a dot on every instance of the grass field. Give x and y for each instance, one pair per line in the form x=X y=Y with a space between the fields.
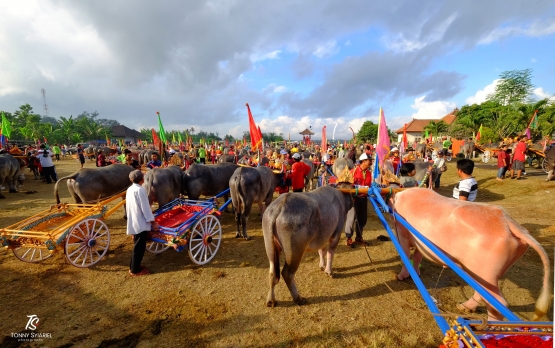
x=222 y=304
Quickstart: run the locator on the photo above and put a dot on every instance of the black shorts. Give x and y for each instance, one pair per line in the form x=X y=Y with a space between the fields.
x=82 y=159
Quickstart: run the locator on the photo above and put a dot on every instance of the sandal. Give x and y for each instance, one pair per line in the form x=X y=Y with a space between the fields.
x=461 y=307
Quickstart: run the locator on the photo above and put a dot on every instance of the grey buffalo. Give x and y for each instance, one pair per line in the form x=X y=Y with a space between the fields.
x=550 y=159
x=206 y=180
x=309 y=180
x=163 y=185
x=9 y=172
x=468 y=149
x=340 y=164
x=227 y=159
x=299 y=222
x=247 y=186
x=421 y=150
x=91 y=184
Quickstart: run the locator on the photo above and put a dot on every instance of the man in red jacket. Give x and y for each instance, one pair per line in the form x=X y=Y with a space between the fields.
x=299 y=171
x=362 y=177
x=519 y=156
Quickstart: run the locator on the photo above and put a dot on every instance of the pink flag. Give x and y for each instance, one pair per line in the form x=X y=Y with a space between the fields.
x=324 y=141
x=383 y=144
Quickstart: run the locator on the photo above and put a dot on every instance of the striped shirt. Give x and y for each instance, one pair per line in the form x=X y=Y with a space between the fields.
x=467 y=188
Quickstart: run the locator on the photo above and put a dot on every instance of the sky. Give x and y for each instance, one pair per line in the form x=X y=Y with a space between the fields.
x=299 y=64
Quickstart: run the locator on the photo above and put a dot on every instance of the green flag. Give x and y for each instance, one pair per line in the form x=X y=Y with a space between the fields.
x=179 y=137
x=162 y=131
x=534 y=123
x=426 y=135
x=6 y=126
x=173 y=138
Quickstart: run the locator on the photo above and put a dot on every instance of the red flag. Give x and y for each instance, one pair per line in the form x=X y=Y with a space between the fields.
x=252 y=129
x=45 y=141
x=244 y=141
x=260 y=141
x=430 y=139
x=345 y=144
x=324 y=141
x=405 y=140
x=155 y=138
x=226 y=142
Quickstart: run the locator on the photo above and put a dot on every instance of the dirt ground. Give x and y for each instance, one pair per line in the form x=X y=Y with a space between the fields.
x=222 y=304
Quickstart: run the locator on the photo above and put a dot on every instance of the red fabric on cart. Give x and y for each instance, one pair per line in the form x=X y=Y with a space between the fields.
x=515 y=341
x=177 y=215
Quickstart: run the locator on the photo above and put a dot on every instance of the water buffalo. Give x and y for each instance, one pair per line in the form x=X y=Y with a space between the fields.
x=91 y=184
x=340 y=164
x=227 y=158
x=248 y=185
x=483 y=239
x=468 y=149
x=550 y=159
x=298 y=222
x=420 y=150
x=309 y=180
x=205 y=180
x=9 y=172
x=163 y=185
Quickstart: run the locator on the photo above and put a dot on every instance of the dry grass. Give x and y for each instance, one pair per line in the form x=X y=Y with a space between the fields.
x=222 y=304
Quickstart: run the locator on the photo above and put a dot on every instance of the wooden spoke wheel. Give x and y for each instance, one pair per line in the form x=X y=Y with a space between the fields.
x=87 y=243
x=29 y=254
x=156 y=248
x=486 y=156
x=205 y=239
x=545 y=168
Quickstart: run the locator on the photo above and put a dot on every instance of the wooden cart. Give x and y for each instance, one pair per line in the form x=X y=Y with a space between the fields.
x=540 y=156
x=78 y=229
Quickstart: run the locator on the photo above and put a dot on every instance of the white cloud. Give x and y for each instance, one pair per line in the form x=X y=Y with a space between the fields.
x=431 y=110
x=541 y=94
x=279 y=89
x=534 y=60
x=482 y=94
x=260 y=57
x=536 y=29
x=327 y=49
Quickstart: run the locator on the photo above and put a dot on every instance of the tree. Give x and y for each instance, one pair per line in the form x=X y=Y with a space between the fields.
x=437 y=128
x=515 y=87
x=106 y=123
x=368 y=132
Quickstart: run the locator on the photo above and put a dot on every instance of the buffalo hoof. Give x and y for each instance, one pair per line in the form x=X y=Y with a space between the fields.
x=238 y=235
x=301 y=301
x=461 y=307
x=271 y=303
x=400 y=278
x=247 y=238
x=330 y=274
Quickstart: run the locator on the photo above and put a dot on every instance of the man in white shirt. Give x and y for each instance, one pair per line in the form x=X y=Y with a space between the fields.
x=140 y=221
x=48 y=170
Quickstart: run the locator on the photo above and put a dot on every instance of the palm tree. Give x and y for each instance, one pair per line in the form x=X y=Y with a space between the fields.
x=437 y=128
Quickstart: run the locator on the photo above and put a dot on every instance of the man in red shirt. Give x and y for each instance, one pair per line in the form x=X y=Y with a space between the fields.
x=519 y=156
x=502 y=163
x=299 y=171
x=362 y=177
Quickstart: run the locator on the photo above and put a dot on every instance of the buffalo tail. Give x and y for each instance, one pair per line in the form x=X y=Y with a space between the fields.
x=542 y=303
x=72 y=176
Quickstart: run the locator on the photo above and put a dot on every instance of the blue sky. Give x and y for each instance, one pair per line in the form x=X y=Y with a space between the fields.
x=298 y=64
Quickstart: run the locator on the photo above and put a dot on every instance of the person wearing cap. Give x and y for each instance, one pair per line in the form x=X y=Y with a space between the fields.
x=362 y=177
x=299 y=171
x=395 y=159
x=48 y=169
x=410 y=156
x=440 y=167
x=140 y=221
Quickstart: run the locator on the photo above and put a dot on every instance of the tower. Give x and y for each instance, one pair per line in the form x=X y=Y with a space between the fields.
x=45 y=105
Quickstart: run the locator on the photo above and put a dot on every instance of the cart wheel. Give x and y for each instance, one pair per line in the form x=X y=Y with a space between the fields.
x=486 y=156
x=156 y=248
x=434 y=155
x=87 y=243
x=28 y=254
x=448 y=158
x=544 y=166
x=205 y=239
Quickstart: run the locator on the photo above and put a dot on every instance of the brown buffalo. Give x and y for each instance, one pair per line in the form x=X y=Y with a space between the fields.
x=483 y=239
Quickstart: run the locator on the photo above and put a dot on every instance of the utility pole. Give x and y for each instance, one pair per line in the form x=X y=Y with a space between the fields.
x=45 y=105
